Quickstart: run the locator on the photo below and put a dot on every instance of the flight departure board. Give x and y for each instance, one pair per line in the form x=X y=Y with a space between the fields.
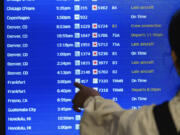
x=118 y=47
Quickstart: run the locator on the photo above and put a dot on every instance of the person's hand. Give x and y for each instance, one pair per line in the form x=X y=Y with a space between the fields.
x=82 y=95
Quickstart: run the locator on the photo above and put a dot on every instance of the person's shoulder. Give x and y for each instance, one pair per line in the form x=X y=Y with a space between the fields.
x=175 y=101
x=174 y=106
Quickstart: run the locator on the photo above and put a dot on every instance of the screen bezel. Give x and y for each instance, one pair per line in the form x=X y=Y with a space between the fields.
x=2 y=70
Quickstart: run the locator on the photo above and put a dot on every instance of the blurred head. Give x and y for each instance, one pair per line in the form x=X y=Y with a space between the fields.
x=174 y=39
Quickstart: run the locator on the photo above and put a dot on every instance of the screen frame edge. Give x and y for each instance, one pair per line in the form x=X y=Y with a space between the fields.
x=2 y=69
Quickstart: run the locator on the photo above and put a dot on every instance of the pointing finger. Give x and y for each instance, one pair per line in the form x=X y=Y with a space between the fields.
x=78 y=85
x=76 y=109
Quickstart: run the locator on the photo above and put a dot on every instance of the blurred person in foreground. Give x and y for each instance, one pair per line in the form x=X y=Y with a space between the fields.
x=105 y=117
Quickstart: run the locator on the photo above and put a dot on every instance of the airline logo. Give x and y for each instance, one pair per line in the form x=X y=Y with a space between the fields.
x=94 y=44
x=94 y=26
x=95 y=53
x=95 y=71
x=95 y=62
x=94 y=35
x=94 y=7
x=76 y=7
x=76 y=17
x=95 y=80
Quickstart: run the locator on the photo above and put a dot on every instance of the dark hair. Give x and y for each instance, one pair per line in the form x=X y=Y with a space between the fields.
x=174 y=35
